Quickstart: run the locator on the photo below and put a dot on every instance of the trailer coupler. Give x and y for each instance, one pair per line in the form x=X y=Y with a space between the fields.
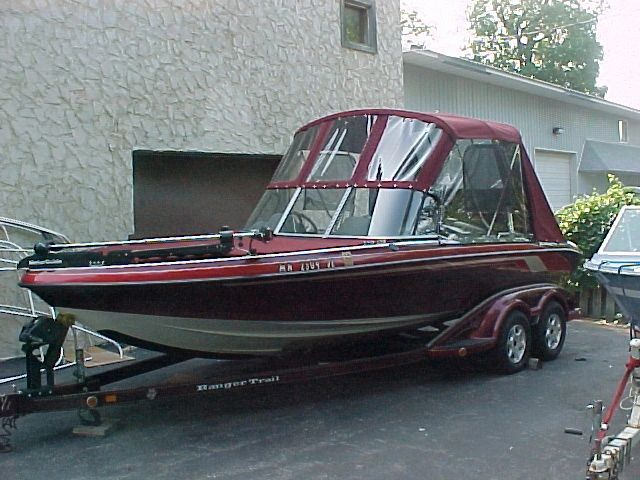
x=38 y=333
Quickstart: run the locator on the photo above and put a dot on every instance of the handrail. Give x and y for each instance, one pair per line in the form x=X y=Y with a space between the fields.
x=30 y=311
x=30 y=227
x=21 y=311
x=102 y=337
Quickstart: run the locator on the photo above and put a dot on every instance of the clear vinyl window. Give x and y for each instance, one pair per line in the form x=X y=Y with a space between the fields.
x=297 y=154
x=341 y=151
x=481 y=193
x=405 y=147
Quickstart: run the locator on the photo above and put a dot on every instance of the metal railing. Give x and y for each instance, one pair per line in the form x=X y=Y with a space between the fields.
x=25 y=304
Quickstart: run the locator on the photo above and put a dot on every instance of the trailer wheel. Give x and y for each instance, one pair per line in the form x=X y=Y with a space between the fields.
x=550 y=332
x=513 y=347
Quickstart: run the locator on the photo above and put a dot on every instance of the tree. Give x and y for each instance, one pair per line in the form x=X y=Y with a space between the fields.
x=414 y=31
x=550 y=40
x=587 y=221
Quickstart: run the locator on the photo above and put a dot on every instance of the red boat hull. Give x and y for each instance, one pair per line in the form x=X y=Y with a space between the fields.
x=268 y=303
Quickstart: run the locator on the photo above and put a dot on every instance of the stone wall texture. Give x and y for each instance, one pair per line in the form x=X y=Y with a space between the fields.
x=83 y=83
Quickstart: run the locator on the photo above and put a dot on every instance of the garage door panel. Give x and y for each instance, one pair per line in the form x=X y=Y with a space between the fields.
x=554 y=173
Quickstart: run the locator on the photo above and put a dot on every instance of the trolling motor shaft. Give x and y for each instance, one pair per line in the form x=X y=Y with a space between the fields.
x=40 y=332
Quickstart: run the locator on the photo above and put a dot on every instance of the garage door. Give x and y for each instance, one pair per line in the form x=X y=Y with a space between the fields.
x=554 y=172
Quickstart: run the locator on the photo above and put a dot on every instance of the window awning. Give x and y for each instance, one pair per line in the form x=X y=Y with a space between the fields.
x=609 y=157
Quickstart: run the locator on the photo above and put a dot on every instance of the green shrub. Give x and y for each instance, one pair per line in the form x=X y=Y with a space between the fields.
x=587 y=221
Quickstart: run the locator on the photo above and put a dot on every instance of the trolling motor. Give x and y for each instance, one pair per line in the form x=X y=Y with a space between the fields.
x=42 y=332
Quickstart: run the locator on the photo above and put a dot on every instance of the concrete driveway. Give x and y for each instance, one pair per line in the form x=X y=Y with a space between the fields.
x=410 y=423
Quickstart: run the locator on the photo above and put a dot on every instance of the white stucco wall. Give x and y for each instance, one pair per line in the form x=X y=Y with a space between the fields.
x=83 y=83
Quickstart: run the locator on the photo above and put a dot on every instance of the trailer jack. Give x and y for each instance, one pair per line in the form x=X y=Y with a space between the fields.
x=611 y=454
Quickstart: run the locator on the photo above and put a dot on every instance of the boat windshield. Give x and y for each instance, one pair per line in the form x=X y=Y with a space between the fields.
x=624 y=236
x=371 y=212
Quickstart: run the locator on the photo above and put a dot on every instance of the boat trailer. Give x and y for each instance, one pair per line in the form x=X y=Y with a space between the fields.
x=475 y=332
x=611 y=454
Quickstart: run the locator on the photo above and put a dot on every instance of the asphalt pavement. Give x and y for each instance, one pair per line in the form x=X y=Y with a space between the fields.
x=422 y=422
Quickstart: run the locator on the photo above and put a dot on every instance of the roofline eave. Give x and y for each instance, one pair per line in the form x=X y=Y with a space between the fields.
x=484 y=73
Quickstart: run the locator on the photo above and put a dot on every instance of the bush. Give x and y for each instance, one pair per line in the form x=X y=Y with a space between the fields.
x=587 y=221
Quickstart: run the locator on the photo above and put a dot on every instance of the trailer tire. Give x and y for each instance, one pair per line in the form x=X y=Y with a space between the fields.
x=511 y=353
x=550 y=331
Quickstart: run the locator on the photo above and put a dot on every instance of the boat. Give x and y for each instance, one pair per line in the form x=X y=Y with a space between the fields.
x=616 y=264
x=376 y=222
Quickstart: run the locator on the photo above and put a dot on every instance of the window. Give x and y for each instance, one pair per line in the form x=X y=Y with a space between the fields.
x=404 y=148
x=481 y=192
x=625 y=234
x=383 y=212
x=358 y=18
x=341 y=151
x=360 y=212
x=623 y=131
x=270 y=209
x=313 y=210
x=294 y=159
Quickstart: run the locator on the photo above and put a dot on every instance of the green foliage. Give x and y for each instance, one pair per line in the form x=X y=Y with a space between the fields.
x=414 y=31
x=587 y=221
x=550 y=40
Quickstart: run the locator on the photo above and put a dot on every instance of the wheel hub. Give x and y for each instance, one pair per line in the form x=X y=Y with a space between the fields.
x=516 y=343
x=553 y=332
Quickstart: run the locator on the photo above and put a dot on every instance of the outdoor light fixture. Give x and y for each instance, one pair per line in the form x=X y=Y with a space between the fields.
x=558 y=130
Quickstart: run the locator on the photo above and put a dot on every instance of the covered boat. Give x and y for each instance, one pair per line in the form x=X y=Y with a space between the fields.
x=616 y=265
x=375 y=222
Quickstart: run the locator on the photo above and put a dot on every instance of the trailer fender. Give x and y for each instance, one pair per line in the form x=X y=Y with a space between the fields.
x=494 y=317
x=558 y=295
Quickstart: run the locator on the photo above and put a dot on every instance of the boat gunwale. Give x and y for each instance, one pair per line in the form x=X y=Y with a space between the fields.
x=337 y=270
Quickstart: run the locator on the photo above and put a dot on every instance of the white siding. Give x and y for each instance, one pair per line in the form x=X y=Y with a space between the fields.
x=535 y=116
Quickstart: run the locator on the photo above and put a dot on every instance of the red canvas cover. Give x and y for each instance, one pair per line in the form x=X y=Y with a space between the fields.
x=544 y=225
x=455 y=125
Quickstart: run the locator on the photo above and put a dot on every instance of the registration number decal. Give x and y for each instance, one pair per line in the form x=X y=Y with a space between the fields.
x=306 y=266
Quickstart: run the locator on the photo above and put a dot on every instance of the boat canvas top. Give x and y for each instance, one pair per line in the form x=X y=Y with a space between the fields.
x=386 y=150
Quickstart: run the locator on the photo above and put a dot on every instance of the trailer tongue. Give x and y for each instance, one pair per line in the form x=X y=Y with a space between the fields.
x=616 y=266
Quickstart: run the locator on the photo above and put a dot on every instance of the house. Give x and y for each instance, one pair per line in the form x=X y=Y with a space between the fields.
x=86 y=83
x=574 y=139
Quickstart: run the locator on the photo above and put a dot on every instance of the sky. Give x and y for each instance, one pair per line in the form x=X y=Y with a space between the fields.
x=618 y=32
